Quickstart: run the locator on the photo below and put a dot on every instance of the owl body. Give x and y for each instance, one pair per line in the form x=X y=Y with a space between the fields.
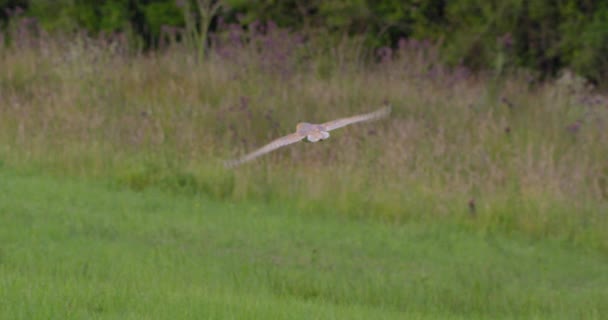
x=312 y=132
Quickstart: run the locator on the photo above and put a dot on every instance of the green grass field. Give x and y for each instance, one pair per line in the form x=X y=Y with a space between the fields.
x=76 y=249
x=481 y=196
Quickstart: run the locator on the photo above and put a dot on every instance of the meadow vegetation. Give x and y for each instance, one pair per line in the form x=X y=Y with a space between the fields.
x=487 y=150
x=78 y=250
x=483 y=195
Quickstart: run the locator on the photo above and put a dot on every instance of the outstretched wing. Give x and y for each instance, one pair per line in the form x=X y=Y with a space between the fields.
x=278 y=143
x=332 y=125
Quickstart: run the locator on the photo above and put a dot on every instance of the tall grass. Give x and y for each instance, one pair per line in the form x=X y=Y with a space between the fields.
x=504 y=153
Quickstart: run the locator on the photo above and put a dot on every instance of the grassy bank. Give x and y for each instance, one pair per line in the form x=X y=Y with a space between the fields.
x=495 y=153
x=74 y=250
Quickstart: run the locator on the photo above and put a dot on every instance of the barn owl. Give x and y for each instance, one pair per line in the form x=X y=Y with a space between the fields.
x=309 y=132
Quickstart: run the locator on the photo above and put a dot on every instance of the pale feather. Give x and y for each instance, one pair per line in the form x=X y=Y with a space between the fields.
x=276 y=144
x=335 y=124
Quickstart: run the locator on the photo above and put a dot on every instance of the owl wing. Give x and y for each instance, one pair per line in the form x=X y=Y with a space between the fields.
x=278 y=143
x=339 y=123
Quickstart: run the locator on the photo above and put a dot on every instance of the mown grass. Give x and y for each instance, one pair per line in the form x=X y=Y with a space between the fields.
x=92 y=108
x=76 y=249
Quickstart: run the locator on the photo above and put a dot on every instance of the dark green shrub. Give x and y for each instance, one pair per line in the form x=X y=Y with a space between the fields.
x=543 y=35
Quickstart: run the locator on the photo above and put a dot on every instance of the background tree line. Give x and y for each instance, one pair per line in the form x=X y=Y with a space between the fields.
x=542 y=35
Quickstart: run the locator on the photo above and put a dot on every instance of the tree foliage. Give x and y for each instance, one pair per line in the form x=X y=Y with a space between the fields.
x=543 y=35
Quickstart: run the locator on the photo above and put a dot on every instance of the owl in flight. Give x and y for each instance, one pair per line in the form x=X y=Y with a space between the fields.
x=309 y=132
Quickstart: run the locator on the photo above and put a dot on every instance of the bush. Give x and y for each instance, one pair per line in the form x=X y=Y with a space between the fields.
x=481 y=34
